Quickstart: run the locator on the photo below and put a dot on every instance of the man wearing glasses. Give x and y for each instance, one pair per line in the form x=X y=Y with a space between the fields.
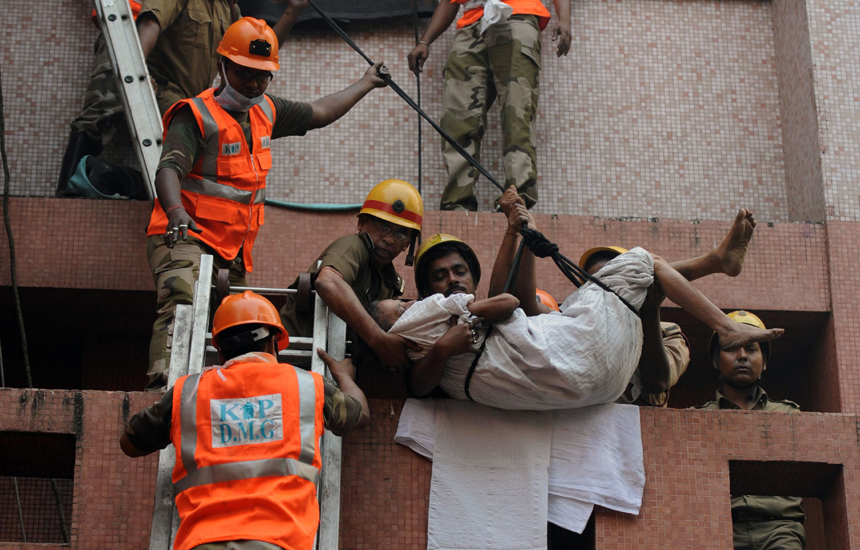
x=211 y=179
x=356 y=270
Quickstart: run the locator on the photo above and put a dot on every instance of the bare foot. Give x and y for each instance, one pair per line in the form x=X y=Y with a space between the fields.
x=732 y=251
x=741 y=334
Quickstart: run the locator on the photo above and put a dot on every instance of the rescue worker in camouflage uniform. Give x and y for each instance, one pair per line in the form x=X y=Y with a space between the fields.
x=758 y=522
x=211 y=178
x=179 y=39
x=256 y=424
x=502 y=60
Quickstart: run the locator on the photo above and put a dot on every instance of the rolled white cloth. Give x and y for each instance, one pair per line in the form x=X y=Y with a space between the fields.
x=494 y=11
x=584 y=356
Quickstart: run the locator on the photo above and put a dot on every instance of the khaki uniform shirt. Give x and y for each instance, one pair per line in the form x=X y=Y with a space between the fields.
x=678 y=352
x=762 y=506
x=349 y=256
x=184 y=59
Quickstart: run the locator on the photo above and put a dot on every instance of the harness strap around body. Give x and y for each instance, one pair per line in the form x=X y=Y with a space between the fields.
x=543 y=247
x=472 y=368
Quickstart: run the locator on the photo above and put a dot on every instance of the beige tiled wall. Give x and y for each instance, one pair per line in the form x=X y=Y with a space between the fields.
x=662 y=109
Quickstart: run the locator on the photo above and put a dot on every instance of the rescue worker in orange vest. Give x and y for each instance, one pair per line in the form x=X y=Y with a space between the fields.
x=496 y=52
x=247 y=435
x=178 y=39
x=211 y=179
x=358 y=269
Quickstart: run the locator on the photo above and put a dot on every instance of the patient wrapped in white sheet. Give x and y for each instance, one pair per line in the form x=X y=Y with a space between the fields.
x=583 y=356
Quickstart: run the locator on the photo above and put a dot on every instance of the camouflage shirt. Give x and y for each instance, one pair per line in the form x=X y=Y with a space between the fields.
x=764 y=506
x=184 y=145
x=149 y=430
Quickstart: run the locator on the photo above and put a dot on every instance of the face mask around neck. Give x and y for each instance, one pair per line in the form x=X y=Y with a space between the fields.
x=232 y=100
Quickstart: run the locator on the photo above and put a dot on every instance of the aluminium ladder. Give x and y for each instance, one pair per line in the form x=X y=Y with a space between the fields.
x=192 y=346
x=138 y=98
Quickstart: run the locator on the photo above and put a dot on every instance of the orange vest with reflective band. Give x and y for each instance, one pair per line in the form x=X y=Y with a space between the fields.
x=521 y=7
x=135 y=11
x=225 y=191
x=247 y=455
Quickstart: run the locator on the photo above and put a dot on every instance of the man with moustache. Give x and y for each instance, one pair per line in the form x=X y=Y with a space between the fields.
x=356 y=270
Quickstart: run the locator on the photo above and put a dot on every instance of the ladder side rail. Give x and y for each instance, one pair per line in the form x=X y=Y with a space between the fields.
x=332 y=449
x=199 y=330
x=138 y=98
x=161 y=533
x=202 y=296
x=320 y=336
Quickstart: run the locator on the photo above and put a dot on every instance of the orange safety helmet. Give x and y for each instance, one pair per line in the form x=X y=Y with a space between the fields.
x=395 y=201
x=248 y=308
x=251 y=43
x=746 y=318
x=543 y=297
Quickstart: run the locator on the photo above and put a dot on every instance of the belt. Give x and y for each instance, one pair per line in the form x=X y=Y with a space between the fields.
x=745 y=516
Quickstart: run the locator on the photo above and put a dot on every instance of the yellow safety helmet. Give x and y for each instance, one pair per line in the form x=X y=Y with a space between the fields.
x=592 y=251
x=251 y=43
x=746 y=318
x=395 y=201
x=455 y=245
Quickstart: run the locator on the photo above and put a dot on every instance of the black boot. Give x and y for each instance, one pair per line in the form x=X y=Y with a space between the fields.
x=80 y=145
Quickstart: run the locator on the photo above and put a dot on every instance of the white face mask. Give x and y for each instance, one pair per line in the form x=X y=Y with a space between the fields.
x=232 y=100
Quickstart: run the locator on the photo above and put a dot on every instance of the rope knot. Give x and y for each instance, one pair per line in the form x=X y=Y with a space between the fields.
x=538 y=243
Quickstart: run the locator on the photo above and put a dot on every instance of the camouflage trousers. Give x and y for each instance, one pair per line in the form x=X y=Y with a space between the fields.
x=781 y=534
x=503 y=62
x=102 y=103
x=175 y=270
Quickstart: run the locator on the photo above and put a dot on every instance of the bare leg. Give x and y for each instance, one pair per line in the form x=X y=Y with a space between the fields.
x=727 y=258
x=732 y=334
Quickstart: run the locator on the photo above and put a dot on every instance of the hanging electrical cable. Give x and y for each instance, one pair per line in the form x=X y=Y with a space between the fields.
x=17 y=299
x=418 y=89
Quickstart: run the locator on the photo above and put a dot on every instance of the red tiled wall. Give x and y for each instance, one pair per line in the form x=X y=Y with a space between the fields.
x=844 y=266
x=56 y=257
x=386 y=487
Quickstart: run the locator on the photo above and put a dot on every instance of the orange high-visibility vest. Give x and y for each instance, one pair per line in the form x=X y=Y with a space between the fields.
x=521 y=7
x=225 y=191
x=135 y=11
x=247 y=455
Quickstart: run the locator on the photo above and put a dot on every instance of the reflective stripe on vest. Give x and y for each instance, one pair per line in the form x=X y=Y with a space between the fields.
x=209 y=164
x=235 y=471
x=214 y=189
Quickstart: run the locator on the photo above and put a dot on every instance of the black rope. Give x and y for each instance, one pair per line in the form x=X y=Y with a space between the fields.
x=16 y=297
x=399 y=91
x=475 y=362
x=543 y=248
x=418 y=90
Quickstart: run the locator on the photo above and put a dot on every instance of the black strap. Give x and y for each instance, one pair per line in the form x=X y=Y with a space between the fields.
x=543 y=247
x=475 y=362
